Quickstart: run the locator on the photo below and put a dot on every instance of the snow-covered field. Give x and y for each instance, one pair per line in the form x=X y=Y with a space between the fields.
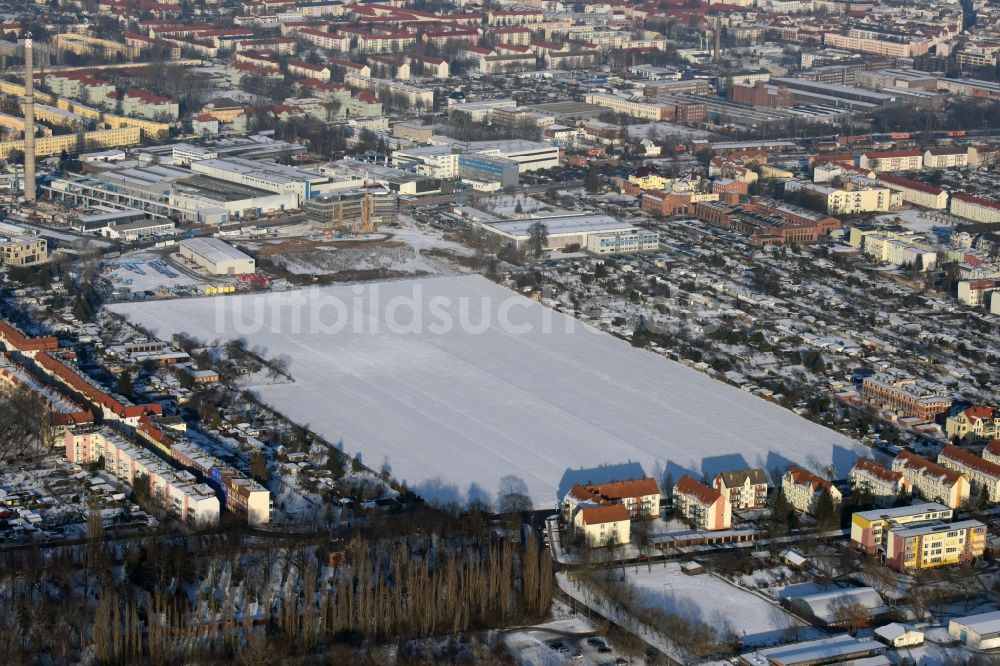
x=714 y=602
x=517 y=391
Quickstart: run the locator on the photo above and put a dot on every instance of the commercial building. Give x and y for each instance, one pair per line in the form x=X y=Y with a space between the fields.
x=703 y=507
x=981 y=422
x=931 y=481
x=803 y=489
x=640 y=497
x=983 y=475
x=973 y=208
x=216 y=257
x=572 y=231
x=906 y=395
x=500 y=170
x=21 y=247
x=267 y=176
x=884 y=486
x=358 y=211
x=981 y=632
x=870 y=528
x=629 y=107
x=528 y=155
x=177 y=491
x=743 y=489
x=927 y=546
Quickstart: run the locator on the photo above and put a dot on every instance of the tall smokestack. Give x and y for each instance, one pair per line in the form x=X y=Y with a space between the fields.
x=29 y=122
x=718 y=38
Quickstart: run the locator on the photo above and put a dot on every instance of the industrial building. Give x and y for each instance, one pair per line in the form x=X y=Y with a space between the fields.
x=358 y=211
x=267 y=176
x=601 y=234
x=216 y=256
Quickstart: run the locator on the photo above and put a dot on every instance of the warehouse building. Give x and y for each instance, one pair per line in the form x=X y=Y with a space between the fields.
x=216 y=256
x=267 y=176
x=980 y=631
x=600 y=234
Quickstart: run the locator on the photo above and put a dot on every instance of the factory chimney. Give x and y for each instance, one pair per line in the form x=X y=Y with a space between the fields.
x=718 y=38
x=29 y=122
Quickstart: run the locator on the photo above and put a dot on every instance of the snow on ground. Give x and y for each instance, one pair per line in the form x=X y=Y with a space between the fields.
x=928 y=223
x=509 y=389
x=713 y=601
x=133 y=271
x=664 y=130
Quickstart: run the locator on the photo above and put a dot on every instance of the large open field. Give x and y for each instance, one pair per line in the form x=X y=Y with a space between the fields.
x=517 y=390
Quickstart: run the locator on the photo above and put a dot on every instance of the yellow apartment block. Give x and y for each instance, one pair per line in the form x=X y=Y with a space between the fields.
x=82 y=44
x=149 y=128
x=936 y=545
x=53 y=145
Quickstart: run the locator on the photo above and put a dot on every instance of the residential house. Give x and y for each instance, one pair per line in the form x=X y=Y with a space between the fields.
x=803 y=489
x=982 y=422
x=743 y=489
x=983 y=475
x=884 y=486
x=920 y=547
x=605 y=525
x=931 y=481
x=702 y=506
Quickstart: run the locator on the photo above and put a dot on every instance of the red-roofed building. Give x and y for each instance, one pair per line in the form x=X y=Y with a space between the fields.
x=605 y=525
x=305 y=70
x=981 y=422
x=983 y=475
x=884 y=486
x=144 y=104
x=15 y=340
x=976 y=209
x=931 y=481
x=640 y=497
x=703 y=507
x=917 y=193
x=803 y=489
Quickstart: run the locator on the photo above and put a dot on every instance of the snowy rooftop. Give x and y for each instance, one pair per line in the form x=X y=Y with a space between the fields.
x=570 y=224
x=984 y=624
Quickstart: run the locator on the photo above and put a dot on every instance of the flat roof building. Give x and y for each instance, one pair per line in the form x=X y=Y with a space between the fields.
x=216 y=256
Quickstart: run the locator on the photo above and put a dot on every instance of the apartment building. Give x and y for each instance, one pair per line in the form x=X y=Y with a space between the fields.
x=177 y=491
x=325 y=40
x=884 y=486
x=892 y=160
x=21 y=247
x=640 y=497
x=980 y=421
x=703 y=507
x=306 y=70
x=983 y=475
x=906 y=395
x=634 y=108
x=838 y=201
x=935 y=545
x=977 y=293
x=869 y=529
x=742 y=489
x=145 y=104
x=892 y=49
x=419 y=98
x=803 y=489
x=604 y=525
x=976 y=209
x=916 y=193
x=946 y=157
x=932 y=482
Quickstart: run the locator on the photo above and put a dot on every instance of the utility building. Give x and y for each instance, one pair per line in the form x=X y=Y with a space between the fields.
x=216 y=257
